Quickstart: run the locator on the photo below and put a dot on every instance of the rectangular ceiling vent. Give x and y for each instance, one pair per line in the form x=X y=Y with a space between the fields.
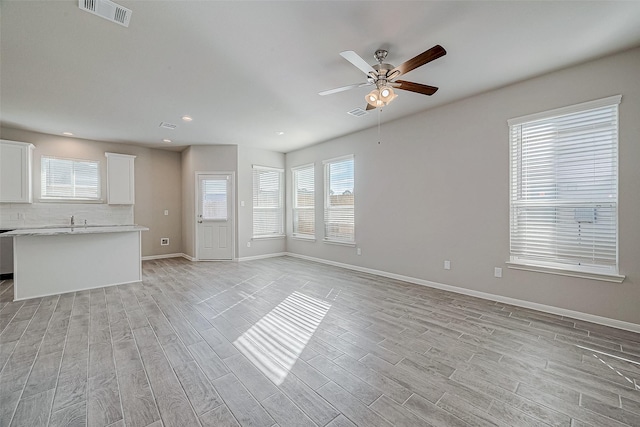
x=107 y=10
x=358 y=112
x=168 y=125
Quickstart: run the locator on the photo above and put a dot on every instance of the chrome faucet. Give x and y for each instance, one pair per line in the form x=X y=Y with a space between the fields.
x=73 y=221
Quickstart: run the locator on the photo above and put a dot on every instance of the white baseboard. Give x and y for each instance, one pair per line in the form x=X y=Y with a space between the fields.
x=187 y=257
x=252 y=258
x=150 y=257
x=606 y=321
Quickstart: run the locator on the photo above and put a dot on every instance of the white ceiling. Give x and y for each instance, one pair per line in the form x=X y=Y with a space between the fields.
x=247 y=70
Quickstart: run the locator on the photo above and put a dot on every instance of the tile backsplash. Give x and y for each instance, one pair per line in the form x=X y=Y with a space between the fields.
x=59 y=214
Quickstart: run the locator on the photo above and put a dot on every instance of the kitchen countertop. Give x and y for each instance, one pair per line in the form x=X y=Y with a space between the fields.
x=53 y=231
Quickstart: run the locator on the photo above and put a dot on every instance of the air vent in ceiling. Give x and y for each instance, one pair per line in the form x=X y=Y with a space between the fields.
x=107 y=10
x=168 y=125
x=358 y=112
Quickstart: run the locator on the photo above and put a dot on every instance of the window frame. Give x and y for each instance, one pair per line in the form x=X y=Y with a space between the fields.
x=294 y=201
x=65 y=199
x=516 y=261
x=327 y=184
x=277 y=234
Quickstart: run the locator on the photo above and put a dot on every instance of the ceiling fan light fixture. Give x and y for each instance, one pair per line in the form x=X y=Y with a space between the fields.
x=387 y=94
x=373 y=98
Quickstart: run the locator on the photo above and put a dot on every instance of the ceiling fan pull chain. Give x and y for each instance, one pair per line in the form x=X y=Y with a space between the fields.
x=379 y=112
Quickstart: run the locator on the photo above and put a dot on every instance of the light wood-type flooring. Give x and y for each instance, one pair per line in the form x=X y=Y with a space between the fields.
x=286 y=342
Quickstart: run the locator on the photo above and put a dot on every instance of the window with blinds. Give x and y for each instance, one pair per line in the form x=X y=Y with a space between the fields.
x=339 y=218
x=564 y=188
x=214 y=199
x=268 y=202
x=304 y=201
x=69 y=179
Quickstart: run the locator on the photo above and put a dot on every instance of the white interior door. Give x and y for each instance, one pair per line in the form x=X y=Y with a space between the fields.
x=215 y=226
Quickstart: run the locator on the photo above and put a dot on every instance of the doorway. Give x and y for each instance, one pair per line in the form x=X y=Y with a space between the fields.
x=215 y=230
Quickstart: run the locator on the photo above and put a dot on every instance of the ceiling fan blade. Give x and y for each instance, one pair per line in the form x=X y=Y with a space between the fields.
x=369 y=107
x=427 y=56
x=343 y=88
x=415 y=87
x=356 y=60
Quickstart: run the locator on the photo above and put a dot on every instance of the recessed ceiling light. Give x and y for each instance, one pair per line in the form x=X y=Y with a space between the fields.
x=280 y=132
x=187 y=118
x=67 y=133
x=166 y=140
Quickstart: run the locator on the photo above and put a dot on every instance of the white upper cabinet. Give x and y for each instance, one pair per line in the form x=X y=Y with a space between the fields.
x=15 y=171
x=120 y=179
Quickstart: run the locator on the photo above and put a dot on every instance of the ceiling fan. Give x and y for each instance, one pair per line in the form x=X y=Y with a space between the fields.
x=384 y=76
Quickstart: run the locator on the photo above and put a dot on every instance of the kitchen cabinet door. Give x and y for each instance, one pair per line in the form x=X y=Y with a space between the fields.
x=15 y=172
x=120 y=179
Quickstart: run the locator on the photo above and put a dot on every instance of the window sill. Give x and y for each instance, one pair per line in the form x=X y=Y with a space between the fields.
x=86 y=201
x=604 y=277
x=302 y=237
x=339 y=243
x=278 y=236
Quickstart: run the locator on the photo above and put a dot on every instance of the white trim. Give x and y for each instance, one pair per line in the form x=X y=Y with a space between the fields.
x=151 y=257
x=188 y=257
x=308 y=165
x=566 y=271
x=337 y=159
x=611 y=100
x=606 y=321
x=267 y=168
x=256 y=257
x=77 y=201
x=338 y=242
x=307 y=237
x=267 y=237
x=119 y=155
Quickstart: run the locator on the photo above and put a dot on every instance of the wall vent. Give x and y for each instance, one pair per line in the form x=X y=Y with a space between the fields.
x=168 y=125
x=107 y=10
x=358 y=112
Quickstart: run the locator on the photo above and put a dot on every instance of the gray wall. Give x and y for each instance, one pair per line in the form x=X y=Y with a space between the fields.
x=247 y=157
x=157 y=185
x=228 y=158
x=437 y=189
x=199 y=158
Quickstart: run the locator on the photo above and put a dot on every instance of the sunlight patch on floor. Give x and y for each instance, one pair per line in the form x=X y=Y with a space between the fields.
x=274 y=343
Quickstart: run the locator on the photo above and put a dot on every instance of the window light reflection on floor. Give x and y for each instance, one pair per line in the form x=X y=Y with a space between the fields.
x=274 y=343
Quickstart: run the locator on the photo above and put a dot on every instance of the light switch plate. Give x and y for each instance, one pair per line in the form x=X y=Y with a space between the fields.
x=447 y=265
x=497 y=272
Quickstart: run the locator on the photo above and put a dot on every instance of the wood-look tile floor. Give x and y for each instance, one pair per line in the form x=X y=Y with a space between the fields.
x=292 y=343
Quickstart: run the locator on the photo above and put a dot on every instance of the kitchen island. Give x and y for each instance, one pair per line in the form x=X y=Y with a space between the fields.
x=49 y=261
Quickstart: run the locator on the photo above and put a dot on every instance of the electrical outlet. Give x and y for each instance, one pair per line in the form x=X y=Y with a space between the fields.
x=248 y=244
x=497 y=272
x=166 y=212
x=164 y=241
x=447 y=265
x=359 y=251
x=242 y=203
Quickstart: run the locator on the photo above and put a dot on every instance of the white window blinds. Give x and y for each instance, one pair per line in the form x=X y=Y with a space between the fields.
x=69 y=179
x=304 y=201
x=214 y=199
x=339 y=218
x=268 y=202
x=564 y=193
